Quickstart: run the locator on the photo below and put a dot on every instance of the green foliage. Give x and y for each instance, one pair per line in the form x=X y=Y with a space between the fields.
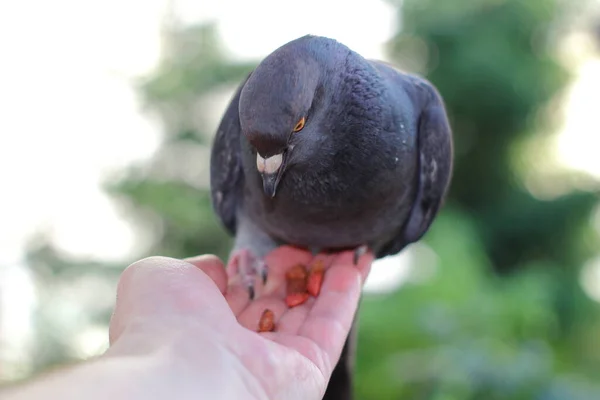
x=188 y=223
x=61 y=313
x=193 y=68
x=493 y=63
x=467 y=334
x=194 y=64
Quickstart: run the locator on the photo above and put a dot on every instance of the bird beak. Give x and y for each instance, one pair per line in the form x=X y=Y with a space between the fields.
x=270 y=169
x=270 y=184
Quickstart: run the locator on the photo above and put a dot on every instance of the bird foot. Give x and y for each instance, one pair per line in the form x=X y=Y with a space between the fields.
x=247 y=266
x=359 y=252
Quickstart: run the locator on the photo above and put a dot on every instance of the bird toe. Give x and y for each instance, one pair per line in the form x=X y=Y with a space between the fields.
x=359 y=252
x=248 y=267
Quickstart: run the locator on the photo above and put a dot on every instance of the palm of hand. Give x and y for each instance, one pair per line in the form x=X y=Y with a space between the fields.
x=309 y=337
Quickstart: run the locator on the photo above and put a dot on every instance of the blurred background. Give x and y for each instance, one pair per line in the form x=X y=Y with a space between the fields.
x=107 y=112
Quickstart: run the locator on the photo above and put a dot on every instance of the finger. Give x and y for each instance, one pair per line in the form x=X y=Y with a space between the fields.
x=158 y=288
x=238 y=298
x=364 y=262
x=212 y=266
x=292 y=320
x=330 y=319
x=236 y=294
x=252 y=314
x=327 y=259
x=284 y=257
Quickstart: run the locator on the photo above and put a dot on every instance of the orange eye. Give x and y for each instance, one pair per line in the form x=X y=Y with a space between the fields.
x=300 y=125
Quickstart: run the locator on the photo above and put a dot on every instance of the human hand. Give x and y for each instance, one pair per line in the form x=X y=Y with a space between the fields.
x=188 y=314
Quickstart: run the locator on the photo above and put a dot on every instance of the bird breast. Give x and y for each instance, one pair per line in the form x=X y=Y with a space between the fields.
x=334 y=209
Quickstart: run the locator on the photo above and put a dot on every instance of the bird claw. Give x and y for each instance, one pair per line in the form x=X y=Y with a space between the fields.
x=263 y=272
x=248 y=266
x=359 y=252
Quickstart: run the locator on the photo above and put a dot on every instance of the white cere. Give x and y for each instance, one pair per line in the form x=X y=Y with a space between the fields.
x=269 y=165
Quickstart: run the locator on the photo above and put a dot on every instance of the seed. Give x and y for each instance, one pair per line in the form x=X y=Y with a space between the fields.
x=315 y=278
x=295 y=299
x=267 y=321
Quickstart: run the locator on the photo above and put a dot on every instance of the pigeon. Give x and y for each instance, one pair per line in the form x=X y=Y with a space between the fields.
x=325 y=150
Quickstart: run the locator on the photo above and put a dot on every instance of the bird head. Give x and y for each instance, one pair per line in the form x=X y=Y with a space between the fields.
x=279 y=110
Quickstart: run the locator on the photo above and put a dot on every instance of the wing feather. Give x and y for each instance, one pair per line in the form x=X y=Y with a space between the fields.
x=226 y=172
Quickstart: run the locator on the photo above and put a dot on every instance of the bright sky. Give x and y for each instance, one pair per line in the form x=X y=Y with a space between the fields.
x=68 y=115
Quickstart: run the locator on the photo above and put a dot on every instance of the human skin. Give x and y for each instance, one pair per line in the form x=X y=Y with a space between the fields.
x=183 y=329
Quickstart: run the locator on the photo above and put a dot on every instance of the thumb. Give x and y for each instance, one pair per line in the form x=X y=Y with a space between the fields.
x=164 y=291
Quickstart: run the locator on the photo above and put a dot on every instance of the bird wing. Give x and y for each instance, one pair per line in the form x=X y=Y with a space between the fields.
x=226 y=172
x=434 y=144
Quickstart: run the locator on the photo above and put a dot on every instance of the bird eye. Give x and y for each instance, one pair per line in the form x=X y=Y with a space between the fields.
x=300 y=125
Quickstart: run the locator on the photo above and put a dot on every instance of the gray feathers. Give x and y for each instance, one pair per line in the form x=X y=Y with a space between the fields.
x=371 y=167
x=226 y=173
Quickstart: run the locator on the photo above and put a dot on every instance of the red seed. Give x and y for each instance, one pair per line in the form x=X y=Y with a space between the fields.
x=295 y=286
x=315 y=278
x=267 y=321
x=298 y=271
x=295 y=279
x=295 y=299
